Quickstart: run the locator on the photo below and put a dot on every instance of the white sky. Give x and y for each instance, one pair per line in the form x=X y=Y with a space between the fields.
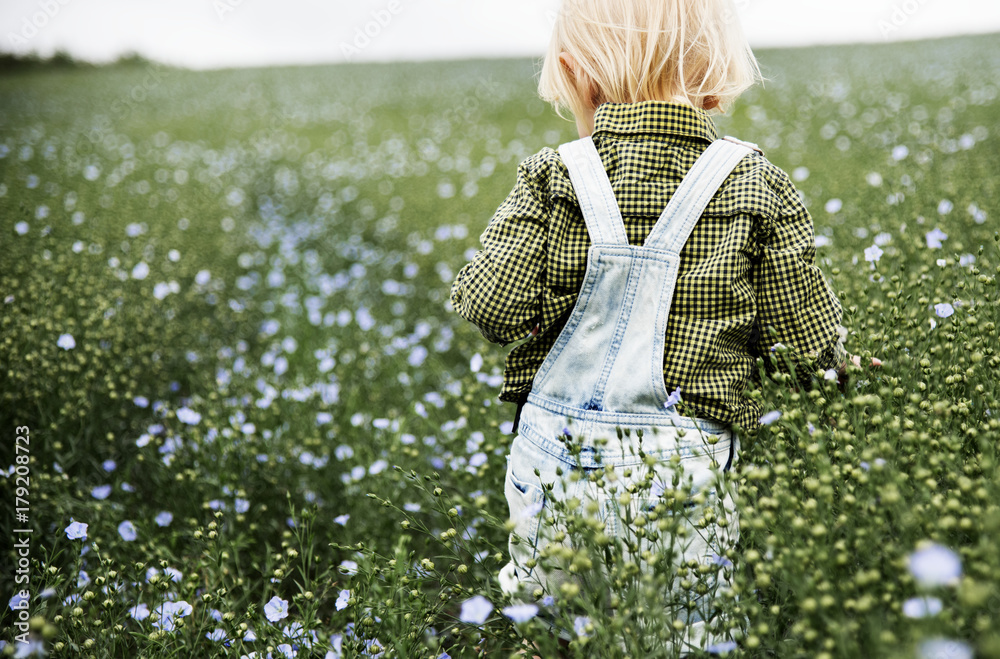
x=222 y=33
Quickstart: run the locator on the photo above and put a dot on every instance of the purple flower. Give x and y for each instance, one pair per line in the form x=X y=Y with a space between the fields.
x=476 y=610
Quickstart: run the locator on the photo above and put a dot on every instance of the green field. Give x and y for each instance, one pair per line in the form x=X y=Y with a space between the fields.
x=226 y=340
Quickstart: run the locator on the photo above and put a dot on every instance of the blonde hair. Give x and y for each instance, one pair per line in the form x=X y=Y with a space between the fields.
x=684 y=51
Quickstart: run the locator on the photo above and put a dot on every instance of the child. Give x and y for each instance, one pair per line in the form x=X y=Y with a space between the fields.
x=613 y=313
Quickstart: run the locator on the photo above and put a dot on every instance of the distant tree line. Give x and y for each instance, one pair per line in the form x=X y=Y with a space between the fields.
x=61 y=59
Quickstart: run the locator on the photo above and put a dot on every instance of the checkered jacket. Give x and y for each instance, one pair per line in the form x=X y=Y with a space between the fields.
x=747 y=285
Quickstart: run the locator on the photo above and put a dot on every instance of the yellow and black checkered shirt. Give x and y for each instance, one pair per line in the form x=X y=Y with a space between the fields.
x=747 y=279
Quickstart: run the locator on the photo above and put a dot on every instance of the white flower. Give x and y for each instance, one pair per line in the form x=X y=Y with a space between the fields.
x=834 y=206
x=342 y=599
x=934 y=565
x=140 y=271
x=873 y=254
x=66 y=342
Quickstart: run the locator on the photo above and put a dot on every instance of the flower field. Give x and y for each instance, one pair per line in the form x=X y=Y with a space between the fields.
x=251 y=425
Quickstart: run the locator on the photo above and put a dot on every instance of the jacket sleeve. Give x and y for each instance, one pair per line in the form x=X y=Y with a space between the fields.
x=796 y=309
x=500 y=290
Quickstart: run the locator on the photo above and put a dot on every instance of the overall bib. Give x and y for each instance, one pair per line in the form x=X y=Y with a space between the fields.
x=601 y=388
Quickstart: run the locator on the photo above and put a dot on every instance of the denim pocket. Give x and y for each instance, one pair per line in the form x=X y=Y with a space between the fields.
x=525 y=500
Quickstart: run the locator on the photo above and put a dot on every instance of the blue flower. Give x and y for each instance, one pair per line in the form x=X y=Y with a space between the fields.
x=944 y=310
x=139 y=612
x=17 y=602
x=944 y=648
x=935 y=238
x=342 y=599
x=217 y=635
x=922 y=607
x=241 y=505
x=188 y=416
x=101 y=492
x=770 y=418
x=580 y=624
x=276 y=609
x=164 y=518
x=521 y=613
x=342 y=519
x=673 y=399
x=873 y=254
x=475 y=610
x=721 y=648
x=934 y=565
x=66 y=342
x=127 y=531
x=76 y=530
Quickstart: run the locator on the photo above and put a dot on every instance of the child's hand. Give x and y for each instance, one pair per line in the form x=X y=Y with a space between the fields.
x=856 y=360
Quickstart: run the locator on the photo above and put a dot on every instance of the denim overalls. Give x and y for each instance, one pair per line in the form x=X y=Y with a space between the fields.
x=604 y=374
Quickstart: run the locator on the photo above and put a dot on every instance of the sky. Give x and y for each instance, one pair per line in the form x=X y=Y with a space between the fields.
x=205 y=34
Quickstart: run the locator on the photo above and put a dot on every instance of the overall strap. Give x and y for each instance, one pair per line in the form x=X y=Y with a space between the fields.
x=593 y=190
x=695 y=192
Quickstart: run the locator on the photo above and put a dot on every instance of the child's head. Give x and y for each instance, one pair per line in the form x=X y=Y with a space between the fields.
x=627 y=51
